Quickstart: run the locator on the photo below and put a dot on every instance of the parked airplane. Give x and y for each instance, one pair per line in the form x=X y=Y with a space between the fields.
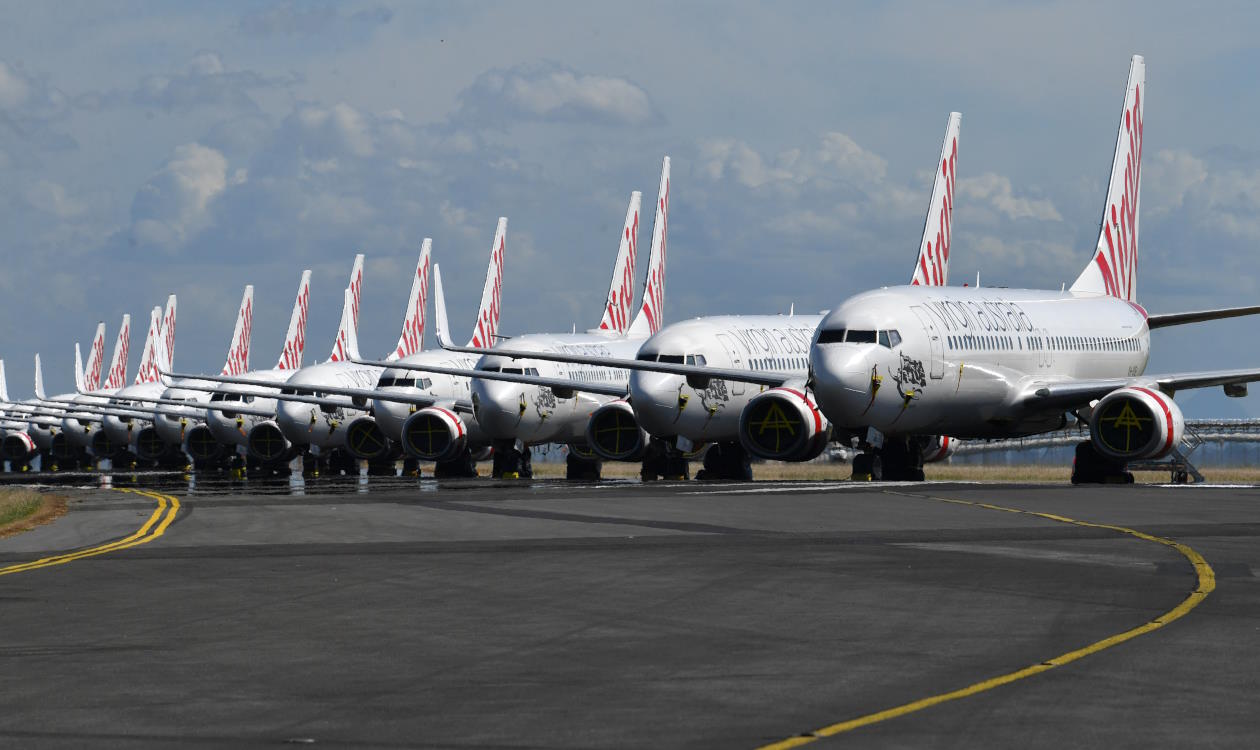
x=119 y=431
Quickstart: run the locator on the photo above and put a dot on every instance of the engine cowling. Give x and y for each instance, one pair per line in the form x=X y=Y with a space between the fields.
x=267 y=443
x=1135 y=423
x=784 y=424
x=434 y=434
x=366 y=440
x=148 y=444
x=17 y=447
x=613 y=433
x=104 y=447
x=938 y=448
x=201 y=444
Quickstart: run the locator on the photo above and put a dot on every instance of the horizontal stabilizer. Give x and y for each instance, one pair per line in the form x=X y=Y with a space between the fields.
x=1199 y=316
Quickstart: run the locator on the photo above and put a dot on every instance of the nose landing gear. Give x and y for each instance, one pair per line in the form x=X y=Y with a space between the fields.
x=664 y=460
x=512 y=460
x=899 y=459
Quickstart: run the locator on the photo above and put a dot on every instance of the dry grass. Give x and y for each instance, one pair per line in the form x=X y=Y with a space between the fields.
x=23 y=509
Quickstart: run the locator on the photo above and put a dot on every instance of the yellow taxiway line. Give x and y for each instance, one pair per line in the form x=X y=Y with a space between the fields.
x=1206 y=582
x=154 y=527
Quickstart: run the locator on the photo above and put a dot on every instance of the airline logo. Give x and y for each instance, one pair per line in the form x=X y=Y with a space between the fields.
x=413 y=326
x=295 y=342
x=147 y=373
x=654 y=292
x=168 y=329
x=621 y=295
x=339 y=353
x=117 y=375
x=1116 y=257
x=933 y=266
x=96 y=360
x=238 y=355
x=488 y=315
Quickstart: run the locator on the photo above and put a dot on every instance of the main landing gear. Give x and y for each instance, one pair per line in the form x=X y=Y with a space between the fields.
x=728 y=461
x=582 y=465
x=1088 y=467
x=899 y=459
x=512 y=460
x=461 y=467
x=662 y=459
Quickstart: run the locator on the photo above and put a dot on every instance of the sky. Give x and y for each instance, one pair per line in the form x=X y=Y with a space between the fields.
x=149 y=148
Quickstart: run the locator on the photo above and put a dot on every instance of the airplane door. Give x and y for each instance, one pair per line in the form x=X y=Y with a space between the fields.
x=936 y=369
x=736 y=386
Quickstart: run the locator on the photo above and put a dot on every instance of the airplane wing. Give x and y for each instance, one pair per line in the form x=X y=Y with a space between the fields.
x=277 y=391
x=1199 y=316
x=1069 y=393
x=556 y=384
x=236 y=407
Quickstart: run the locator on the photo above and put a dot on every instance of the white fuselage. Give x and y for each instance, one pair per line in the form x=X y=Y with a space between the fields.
x=232 y=428
x=42 y=432
x=444 y=389
x=666 y=406
x=171 y=426
x=79 y=433
x=122 y=430
x=535 y=414
x=967 y=356
x=324 y=426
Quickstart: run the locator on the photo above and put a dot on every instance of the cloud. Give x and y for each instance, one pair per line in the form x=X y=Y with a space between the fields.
x=205 y=82
x=54 y=199
x=309 y=19
x=174 y=204
x=31 y=110
x=549 y=92
x=994 y=191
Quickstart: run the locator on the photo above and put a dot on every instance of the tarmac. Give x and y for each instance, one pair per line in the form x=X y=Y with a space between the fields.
x=410 y=613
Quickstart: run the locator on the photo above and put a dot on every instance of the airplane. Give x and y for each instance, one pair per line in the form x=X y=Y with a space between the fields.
x=79 y=426
x=120 y=431
x=512 y=401
x=894 y=365
x=705 y=380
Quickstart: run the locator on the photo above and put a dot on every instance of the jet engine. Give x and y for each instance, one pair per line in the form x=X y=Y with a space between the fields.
x=1131 y=424
x=613 y=433
x=784 y=424
x=434 y=434
x=148 y=444
x=267 y=443
x=17 y=447
x=201 y=445
x=103 y=447
x=366 y=440
x=938 y=448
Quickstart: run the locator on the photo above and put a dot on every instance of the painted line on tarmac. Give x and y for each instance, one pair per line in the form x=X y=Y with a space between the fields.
x=165 y=512
x=1206 y=583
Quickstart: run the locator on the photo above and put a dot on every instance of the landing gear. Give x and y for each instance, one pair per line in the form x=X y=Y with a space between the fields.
x=461 y=467
x=577 y=466
x=1088 y=467
x=663 y=460
x=511 y=462
x=727 y=461
x=899 y=459
x=867 y=467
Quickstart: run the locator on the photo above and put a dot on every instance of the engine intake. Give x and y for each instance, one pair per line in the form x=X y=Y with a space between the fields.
x=783 y=424
x=103 y=447
x=201 y=445
x=366 y=440
x=434 y=434
x=938 y=448
x=17 y=447
x=1135 y=423
x=267 y=443
x=613 y=433
x=148 y=444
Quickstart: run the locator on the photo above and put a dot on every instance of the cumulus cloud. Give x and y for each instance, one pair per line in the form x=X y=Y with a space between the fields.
x=205 y=82
x=548 y=92
x=30 y=107
x=994 y=191
x=52 y=198
x=174 y=204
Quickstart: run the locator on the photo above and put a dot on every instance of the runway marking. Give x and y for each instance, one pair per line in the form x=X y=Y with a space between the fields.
x=1206 y=584
x=154 y=527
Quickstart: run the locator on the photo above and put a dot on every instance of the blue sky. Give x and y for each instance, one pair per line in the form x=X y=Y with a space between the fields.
x=150 y=147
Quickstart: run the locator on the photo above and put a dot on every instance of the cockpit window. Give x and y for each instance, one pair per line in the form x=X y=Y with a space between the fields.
x=833 y=336
x=514 y=370
x=673 y=359
x=894 y=339
x=489 y=368
x=645 y=357
x=696 y=359
x=860 y=337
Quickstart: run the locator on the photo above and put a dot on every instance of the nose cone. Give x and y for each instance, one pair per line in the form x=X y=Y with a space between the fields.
x=497 y=406
x=118 y=431
x=390 y=416
x=224 y=428
x=844 y=384
x=654 y=396
x=295 y=420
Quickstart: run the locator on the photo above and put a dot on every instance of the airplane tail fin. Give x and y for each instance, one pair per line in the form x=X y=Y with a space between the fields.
x=932 y=266
x=96 y=358
x=411 y=340
x=295 y=339
x=349 y=328
x=39 y=379
x=1113 y=269
x=441 y=326
x=621 y=291
x=648 y=321
x=4 y=386
x=147 y=372
x=166 y=362
x=80 y=382
x=238 y=351
x=488 y=314
x=117 y=375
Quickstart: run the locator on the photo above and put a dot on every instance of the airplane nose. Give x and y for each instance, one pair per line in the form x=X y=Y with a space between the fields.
x=390 y=416
x=656 y=400
x=845 y=382
x=294 y=419
x=497 y=406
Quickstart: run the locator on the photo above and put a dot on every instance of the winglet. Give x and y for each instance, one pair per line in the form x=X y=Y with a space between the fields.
x=80 y=384
x=487 y=327
x=620 y=298
x=441 y=328
x=1113 y=268
x=4 y=386
x=648 y=321
x=411 y=340
x=349 y=328
x=147 y=373
x=39 y=379
x=96 y=358
x=295 y=339
x=238 y=351
x=117 y=375
x=932 y=266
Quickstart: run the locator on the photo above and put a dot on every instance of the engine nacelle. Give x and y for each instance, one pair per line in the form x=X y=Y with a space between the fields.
x=104 y=447
x=613 y=433
x=938 y=448
x=201 y=444
x=1135 y=423
x=366 y=440
x=784 y=424
x=18 y=447
x=434 y=434
x=267 y=443
x=149 y=445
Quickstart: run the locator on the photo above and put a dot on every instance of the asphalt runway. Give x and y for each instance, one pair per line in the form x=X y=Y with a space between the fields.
x=404 y=613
